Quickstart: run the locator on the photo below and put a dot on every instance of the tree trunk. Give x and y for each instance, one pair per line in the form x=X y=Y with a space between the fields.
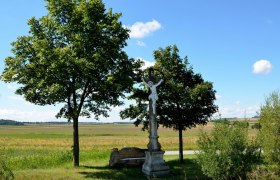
x=181 y=155
x=76 y=149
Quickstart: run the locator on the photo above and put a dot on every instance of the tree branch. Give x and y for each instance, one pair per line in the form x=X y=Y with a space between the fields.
x=83 y=97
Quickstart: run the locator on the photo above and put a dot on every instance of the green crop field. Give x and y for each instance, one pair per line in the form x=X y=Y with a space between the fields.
x=44 y=151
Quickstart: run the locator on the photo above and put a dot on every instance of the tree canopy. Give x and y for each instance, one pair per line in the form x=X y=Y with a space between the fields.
x=73 y=56
x=185 y=99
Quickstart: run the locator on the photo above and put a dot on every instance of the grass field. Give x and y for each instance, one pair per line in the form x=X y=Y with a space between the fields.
x=44 y=151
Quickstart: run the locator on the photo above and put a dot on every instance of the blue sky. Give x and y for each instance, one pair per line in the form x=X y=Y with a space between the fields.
x=234 y=44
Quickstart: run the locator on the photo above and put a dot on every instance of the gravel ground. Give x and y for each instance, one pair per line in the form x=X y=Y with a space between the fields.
x=177 y=152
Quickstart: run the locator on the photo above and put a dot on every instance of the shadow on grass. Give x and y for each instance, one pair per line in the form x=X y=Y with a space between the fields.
x=188 y=170
x=106 y=172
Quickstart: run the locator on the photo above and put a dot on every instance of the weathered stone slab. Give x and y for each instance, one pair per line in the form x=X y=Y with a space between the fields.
x=128 y=156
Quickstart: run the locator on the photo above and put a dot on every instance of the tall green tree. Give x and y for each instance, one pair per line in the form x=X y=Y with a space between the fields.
x=270 y=128
x=73 y=56
x=185 y=99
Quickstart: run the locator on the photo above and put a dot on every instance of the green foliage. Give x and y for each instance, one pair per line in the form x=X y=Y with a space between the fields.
x=270 y=129
x=225 y=153
x=224 y=121
x=5 y=171
x=185 y=99
x=256 y=126
x=244 y=124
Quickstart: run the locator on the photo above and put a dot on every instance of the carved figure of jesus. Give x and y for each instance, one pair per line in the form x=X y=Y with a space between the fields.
x=153 y=96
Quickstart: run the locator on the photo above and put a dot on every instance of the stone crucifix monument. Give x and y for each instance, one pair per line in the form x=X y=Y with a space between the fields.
x=154 y=165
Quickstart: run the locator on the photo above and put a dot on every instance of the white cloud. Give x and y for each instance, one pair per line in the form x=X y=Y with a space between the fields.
x=20 y=101
x=12 y=86
x=25 y=115
x=141 y=29
x=6 y=112
x=238 y=111
x=17 y=98
x=47 y=113
x=140 y=43
x=146 y=63
x=262 y=67
x=218 y=96
x=253 y=110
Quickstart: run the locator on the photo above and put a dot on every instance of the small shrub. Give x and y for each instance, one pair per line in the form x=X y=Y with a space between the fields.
x=225 y=153
x=270 y=129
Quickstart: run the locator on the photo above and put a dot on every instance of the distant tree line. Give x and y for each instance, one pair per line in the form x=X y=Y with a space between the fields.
x=10 y=122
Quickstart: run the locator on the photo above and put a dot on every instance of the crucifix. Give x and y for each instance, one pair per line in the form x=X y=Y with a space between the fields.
x=153 y=97
x=154 y=165
x=152 y=85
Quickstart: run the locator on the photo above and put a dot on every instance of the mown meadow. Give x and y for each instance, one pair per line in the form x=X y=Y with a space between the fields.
x=44 y=151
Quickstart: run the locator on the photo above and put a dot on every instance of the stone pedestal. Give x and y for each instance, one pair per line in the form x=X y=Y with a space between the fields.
x=154 y=165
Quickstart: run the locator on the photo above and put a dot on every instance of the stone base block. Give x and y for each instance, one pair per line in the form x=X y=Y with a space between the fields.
x=154 y=165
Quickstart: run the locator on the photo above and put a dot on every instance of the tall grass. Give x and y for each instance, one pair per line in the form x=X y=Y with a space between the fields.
x=5 y=171
x=41 y=159
x=34 y=159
